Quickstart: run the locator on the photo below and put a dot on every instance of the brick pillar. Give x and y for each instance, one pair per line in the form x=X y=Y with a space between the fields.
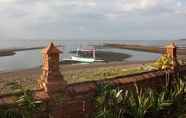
x=51 y=79
x=171 y=52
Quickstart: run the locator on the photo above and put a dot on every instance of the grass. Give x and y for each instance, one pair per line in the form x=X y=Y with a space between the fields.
x=30 y=82
x=100 y=73
x=10 y=86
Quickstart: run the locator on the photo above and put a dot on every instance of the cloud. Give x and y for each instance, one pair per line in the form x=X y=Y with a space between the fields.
x=131 y=5
x=7 y=1
x=95 y=18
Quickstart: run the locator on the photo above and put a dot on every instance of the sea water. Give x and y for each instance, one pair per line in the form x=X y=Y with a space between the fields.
x=32 y=58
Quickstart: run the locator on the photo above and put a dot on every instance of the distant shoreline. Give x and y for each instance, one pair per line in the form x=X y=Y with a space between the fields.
x=143 y=48
x=135 y=47
x=12 y=51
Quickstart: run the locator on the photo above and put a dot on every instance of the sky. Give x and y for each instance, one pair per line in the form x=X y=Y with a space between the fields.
x=93 y=19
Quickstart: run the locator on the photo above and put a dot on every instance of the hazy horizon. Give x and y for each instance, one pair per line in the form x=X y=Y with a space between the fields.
x=92 y=19
x=82 y=39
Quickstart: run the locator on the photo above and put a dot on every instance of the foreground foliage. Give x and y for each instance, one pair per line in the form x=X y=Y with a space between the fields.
x=25 y=106
x=167 y=102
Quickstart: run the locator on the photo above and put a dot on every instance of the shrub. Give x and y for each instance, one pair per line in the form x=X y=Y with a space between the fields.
x=25 y=105
x=112 y=102
x=163 y=63
x=10 y=113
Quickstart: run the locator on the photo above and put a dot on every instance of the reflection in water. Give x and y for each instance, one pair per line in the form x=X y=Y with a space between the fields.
x=32 y=58
x=22 y=60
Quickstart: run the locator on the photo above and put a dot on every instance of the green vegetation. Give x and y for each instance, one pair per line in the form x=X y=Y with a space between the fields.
x=25 y=105
x=114 y=102
x=10 y=113
x=7 y=86
x=163 y=63
x=100 y=73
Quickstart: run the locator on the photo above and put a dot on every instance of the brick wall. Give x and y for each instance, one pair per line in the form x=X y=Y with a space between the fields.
x=77 y=102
